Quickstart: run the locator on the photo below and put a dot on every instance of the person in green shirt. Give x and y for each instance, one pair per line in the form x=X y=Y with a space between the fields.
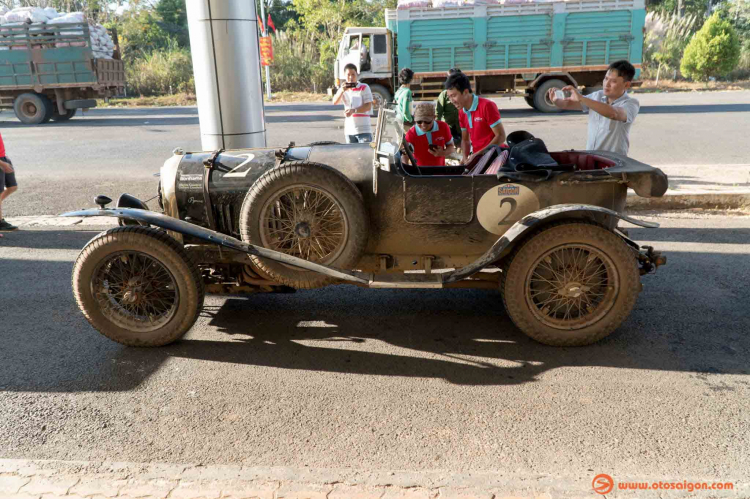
x=403 y=97
x=447 y=112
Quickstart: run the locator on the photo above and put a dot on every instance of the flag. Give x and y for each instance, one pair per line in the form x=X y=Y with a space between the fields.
x=260 y=24
x=270 y=23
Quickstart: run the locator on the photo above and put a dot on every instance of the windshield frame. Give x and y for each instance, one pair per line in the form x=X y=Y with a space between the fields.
x=389 y=128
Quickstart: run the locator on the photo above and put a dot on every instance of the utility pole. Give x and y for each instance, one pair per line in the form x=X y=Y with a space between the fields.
x=226 y=63
x=266 y=33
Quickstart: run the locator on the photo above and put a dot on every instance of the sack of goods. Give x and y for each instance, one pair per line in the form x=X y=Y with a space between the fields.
x=102 y=45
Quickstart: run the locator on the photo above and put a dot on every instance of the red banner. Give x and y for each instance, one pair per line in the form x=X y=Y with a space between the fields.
x=266 y=51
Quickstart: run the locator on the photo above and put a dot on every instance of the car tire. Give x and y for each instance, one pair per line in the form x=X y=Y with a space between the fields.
x=137 y=286
x=541 y=103
x=33 y=108
x=69 y=113
x=537 y=274
x=380 y=96
x=308 y=210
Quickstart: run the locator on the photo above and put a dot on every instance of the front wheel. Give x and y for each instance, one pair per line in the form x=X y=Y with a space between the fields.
x=137 y=286
x=571 y=284
x=380 y=97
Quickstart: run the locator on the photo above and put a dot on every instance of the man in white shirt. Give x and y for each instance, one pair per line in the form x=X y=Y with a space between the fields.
x=357 y=100
x=611 y=110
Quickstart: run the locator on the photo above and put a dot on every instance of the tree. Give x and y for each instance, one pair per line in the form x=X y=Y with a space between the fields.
x=713 y=51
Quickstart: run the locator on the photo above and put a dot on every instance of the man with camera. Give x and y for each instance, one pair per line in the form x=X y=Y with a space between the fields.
x=611 y=110
x=357 y=100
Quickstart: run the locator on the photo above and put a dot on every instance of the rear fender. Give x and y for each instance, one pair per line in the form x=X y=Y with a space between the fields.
x=533 y=221
x=212 y=237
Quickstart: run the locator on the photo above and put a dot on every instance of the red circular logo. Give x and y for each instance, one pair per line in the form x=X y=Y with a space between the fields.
x=602 y=484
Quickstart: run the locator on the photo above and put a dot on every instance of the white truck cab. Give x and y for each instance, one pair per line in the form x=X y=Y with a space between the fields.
x=371 y=50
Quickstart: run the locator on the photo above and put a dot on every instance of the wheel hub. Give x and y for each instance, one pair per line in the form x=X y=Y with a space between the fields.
x=573 y=290
x=302 y=229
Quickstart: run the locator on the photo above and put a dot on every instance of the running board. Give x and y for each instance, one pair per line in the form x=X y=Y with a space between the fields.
x=407 y=281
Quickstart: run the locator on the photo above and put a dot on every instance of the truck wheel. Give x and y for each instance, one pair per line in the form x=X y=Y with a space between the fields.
x=570 y=284
x=307 y=210
x=138 y=286
x=541 y=101
x=69 y=113
x=380 y=97
x=32 y=108
x=529 y=100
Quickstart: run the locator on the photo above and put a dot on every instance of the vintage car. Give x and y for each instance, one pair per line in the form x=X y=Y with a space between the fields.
x=265 y=220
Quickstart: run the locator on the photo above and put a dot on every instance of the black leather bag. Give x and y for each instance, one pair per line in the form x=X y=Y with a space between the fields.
x=529 y=155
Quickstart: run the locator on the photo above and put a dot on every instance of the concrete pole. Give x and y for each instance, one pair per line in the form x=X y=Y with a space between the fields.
x=265 y=30
x=226 y=63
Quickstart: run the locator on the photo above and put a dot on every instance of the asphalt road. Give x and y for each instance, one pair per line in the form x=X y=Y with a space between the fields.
x=404 y=380
x=62 y=166
x=390 y=380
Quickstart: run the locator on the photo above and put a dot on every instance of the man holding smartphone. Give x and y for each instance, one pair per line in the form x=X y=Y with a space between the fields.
x=432 y=139
x=357 y=100
x=611 y=110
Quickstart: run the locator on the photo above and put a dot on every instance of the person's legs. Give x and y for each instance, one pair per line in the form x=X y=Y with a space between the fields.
x=363 y=138
x=8 y=186
x=351 y=139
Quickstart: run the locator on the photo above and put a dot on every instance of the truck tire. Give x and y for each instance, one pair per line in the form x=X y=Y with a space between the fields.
x=307 y=210
x=541 y=103
x=380 y=96
x=571 y=284
x=33 y=108
x=529 y=100
x=69 y=113
x=137 y=286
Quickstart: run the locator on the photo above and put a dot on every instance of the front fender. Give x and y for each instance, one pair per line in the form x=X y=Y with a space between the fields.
x=529 y=222
x=213 y=237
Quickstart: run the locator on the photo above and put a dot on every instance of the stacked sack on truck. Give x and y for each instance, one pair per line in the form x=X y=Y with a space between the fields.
x=37 y=18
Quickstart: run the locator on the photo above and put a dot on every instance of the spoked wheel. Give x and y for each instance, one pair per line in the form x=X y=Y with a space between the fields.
x=571 y=284
x=309 y=211
x=137 y=286
x=304 y=221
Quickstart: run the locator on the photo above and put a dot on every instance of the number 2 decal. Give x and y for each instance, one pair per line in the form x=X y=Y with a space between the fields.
x=513 y=203
x=235 y=173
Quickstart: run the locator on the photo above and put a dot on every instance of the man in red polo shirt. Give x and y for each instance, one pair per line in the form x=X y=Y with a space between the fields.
x=432 y=139
x=481 y=126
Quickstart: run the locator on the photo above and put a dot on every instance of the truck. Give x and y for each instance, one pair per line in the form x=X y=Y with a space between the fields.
x=48 y=72
x=506 y=48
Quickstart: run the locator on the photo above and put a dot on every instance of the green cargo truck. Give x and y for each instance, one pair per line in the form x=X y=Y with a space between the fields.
x=48 y=72
x=511 y=48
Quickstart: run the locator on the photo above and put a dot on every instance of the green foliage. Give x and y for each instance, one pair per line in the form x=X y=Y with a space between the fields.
x=161 y=72
x=298 y=65
x=666 y=37
x=713 y=51
x=140 y=33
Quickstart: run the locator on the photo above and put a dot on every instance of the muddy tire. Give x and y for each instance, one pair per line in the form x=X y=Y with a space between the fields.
x=137 y=286
x=571 y=284
x=308 y=210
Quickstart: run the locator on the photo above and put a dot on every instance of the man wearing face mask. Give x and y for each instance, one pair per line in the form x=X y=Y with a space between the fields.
x=432 y=140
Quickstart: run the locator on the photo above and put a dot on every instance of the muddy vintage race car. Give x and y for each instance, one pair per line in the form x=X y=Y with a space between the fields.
x=268 y=220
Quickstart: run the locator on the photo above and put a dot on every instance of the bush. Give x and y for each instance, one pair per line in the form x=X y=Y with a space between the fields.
x=162 y=72
x=713 y=51
x=298 y=65
x=667 y=35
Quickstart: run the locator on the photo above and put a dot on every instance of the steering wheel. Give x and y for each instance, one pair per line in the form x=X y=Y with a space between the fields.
x=409 y=152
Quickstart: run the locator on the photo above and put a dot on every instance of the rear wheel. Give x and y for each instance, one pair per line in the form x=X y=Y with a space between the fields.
x=33 y=108
x=307 y=210
x=137 y=286
x=571 y=284
x=69 y=113
x=529 y=98
x=541 y=100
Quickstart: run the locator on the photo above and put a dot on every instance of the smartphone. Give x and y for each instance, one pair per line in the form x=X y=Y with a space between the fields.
x=432 y=147
x=349 y=85
x=562 y=94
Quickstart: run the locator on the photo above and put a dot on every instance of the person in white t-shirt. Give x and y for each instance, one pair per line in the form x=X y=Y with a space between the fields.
x=357 y=100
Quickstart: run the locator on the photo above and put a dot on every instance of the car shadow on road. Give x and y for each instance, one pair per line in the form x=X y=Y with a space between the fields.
x=461 y=336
